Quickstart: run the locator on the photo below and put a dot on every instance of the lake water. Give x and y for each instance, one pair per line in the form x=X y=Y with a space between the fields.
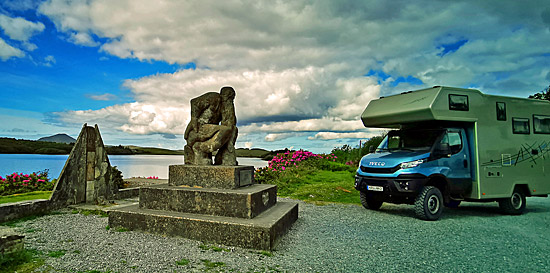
x=129 y=165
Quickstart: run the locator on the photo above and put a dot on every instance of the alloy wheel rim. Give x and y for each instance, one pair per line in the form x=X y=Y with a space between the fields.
x=516 y=201
x=433 y=204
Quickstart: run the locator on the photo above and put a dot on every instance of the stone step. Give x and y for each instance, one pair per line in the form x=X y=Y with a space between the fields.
x=244 y=202
x=261 y=232
x=211 y=176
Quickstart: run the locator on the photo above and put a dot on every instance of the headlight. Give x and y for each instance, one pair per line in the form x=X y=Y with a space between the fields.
x=412 y=164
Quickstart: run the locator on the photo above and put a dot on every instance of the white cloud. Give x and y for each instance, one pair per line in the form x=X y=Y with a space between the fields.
x=299 y=66
x=7 y=51
x=278 y=136
x=334 y=135
x=18 y=28
x=82 y=38
x=102 y=97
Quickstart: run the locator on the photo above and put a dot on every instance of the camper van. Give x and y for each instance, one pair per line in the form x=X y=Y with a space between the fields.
x=447 y=145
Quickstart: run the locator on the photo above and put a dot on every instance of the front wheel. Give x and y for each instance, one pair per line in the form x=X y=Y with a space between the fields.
x=515 y=204
x=429 y=203
x=370 y=201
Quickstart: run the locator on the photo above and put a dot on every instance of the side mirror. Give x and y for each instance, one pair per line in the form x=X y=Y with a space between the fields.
x=443 y=149
x=371 y=149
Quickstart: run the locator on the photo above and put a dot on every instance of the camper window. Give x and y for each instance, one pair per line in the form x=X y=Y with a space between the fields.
x=501 y=111
x=521 y=126
x=458 y=102
x=541 y=124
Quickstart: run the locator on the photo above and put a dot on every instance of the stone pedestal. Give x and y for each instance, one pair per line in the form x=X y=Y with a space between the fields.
x=220 y=177
x=218 y=204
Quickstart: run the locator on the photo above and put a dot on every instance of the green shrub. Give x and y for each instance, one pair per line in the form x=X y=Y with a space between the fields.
x=116 y=177
x=22 y=183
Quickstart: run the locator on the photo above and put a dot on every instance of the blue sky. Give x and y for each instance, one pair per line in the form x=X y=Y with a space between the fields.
x=303 y=71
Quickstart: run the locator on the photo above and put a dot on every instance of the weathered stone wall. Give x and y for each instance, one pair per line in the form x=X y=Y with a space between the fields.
x=16 y=210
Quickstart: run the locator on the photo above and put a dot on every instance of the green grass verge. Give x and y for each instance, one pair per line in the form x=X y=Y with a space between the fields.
x=25 y=196
x=319 y=186
x=21 y=261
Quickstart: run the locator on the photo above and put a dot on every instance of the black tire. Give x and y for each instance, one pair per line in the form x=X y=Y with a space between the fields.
x=429 y=204
x=453 y=204
x=515 y=204
x=370 y=201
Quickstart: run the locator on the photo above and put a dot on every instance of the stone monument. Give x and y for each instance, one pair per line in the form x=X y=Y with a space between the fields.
x=212 y=201
x=213 y=127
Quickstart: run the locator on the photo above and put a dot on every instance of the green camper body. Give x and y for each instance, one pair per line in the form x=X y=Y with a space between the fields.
x=508 y=139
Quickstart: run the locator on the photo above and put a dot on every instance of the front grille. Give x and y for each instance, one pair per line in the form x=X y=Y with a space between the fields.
x=379 y=170
x=375 y=182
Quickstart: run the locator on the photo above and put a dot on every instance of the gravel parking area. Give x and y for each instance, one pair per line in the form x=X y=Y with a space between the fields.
x=330 y=238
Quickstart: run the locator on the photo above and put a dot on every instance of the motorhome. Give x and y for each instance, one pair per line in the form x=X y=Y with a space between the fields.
x=449 y=145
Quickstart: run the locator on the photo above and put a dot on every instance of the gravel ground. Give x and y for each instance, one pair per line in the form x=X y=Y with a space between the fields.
x=329 y=238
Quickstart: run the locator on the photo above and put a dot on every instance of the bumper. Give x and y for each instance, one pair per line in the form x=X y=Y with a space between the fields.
x=403 y=185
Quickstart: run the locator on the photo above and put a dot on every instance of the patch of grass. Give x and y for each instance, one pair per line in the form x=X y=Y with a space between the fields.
x=182 y=262
x=107 y=227
x=16 y=222
x=319 y=186
x=25 y=196
x=210 y=265
x=76 y=251
x=21 y=261
x=266 y=253
x=31 y=230
x=122 y=229
x=56 y=253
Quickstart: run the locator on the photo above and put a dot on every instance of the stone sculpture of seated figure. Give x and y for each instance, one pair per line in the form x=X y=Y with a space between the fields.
x=213 y=127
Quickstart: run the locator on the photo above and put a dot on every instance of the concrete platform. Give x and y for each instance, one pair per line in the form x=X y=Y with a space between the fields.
x=261 y=232
x=212 y=176
x=244 y=202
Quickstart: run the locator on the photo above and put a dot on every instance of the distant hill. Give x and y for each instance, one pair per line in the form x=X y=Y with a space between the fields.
x=63 y=144
x=59 y=138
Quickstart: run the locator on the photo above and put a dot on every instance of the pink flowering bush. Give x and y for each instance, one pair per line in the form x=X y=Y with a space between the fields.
x=21 y=183
x=296 y=163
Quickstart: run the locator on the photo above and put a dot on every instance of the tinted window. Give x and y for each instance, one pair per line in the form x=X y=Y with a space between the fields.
x=454 y=140
x=541 y=124
x=521 y=126
x=458 y=102
x=501 y=111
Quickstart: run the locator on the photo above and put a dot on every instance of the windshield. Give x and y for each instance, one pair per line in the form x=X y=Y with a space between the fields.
x=409 y=140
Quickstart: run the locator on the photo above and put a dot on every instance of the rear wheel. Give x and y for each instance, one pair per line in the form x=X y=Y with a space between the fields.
x=370 y=201
x=429 y=203
x=515 y=204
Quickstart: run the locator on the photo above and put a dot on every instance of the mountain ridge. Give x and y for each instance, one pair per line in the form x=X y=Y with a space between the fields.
x=58 y=138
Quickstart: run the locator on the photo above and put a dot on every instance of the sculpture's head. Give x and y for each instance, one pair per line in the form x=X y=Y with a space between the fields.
x=227 y=93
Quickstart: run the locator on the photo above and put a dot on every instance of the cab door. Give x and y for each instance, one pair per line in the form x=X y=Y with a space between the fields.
x=458 y=163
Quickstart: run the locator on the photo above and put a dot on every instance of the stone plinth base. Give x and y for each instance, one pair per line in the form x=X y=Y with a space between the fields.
x=261 y=232
x=221 y=177
x=218 y=204
x=245 y=202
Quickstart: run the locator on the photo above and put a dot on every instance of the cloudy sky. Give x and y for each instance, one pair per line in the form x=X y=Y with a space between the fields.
x=303 y=70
